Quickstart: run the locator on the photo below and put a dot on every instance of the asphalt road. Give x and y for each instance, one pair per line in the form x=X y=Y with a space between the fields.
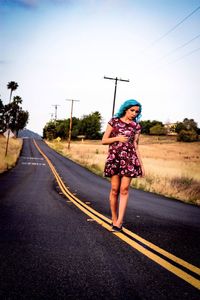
x=50 y=249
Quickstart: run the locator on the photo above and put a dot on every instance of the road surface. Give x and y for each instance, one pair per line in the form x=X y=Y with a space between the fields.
x=53 y=247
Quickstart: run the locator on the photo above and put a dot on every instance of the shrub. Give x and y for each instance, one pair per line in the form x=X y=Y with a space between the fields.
x=158 y=130
x=187 y=136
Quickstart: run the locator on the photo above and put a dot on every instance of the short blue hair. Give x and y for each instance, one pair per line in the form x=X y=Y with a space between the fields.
x=126 y=105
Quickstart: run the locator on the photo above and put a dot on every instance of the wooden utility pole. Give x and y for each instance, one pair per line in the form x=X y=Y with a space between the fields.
x=70 y=124
x=8 y=131
x=8 y=136
x=115 y=90
x=12 y=86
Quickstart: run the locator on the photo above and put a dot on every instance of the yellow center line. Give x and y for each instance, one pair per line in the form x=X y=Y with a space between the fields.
x=105 y=222
x=162 y=262
x=172 y=257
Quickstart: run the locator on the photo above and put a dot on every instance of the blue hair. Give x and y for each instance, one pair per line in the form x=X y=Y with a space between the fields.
x=126 y=105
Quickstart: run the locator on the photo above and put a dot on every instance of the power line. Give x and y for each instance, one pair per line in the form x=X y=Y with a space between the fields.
x=187 y=54
x=174 y=27
x=176 y=60
x=180 y=47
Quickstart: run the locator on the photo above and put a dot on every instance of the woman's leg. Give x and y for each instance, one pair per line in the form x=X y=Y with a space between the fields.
x=114 y=192
x=124 y=191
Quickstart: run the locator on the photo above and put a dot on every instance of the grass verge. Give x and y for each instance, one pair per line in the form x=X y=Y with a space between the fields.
x=172 y=168
x=14 y=148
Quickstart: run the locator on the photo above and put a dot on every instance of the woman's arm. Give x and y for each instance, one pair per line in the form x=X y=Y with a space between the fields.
x=135 y=143
x=106 y=140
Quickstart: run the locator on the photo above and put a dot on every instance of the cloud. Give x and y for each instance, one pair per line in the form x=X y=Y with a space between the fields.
x=28 y=3
x=32 y=4
x=19 y=3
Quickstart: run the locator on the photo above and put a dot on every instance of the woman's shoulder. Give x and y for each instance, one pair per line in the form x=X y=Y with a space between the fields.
x=113 y=121
x=137 y=127
x=135 y=124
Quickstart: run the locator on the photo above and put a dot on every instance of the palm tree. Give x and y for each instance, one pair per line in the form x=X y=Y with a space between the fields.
x=17 y=100
x=12 y=85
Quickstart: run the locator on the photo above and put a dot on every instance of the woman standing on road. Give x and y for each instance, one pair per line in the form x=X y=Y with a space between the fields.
x=123 y=162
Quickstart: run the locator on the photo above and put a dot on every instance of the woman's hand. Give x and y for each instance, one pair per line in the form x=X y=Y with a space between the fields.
x=143 y=171
x=107 y=140
x=122 y=138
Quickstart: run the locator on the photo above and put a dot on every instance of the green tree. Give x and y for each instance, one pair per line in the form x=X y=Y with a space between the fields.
x=187 y=136
x=14 y=107
x=2 y=125
x=158 y=129
x=22 y=120
x=49 y=131
x=62 y=129
x=13 y=116
x=90 y=126
x=75 y=127
x=12 y=86
x=146 y=125
x=179 y=126
x=190 y=124
x=187 y=124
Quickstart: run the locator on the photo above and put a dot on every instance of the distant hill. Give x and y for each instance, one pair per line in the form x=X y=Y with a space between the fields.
x=26 y=133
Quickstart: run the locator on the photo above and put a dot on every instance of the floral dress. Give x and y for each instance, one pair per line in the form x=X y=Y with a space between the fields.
x=122 y=159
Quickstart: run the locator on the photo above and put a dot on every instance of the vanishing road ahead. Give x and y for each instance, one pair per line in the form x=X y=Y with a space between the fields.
x=56 y=240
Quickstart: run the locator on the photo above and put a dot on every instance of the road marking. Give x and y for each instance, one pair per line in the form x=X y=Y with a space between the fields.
x=162 y=262
x=106 y=223
x=33 y=164
x=31 y=161
x=172 y=257
x=34 y=158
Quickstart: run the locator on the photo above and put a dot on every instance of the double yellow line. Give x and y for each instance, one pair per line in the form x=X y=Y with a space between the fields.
x=131 y=238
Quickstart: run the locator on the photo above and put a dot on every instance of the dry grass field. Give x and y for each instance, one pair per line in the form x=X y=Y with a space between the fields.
x=172 y=168
x=14 y=148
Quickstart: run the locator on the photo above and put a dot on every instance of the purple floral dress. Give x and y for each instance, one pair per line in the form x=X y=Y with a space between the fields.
x=122 y=159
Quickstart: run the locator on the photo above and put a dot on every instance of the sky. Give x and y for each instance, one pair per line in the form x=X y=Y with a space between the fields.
x=59 y=50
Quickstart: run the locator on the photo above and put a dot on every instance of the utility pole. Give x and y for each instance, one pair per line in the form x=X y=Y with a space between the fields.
x=51 y=119
x=8 y=131
x=8 y=136
x=56 y=107
x=70 y=124
x=115 y=90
